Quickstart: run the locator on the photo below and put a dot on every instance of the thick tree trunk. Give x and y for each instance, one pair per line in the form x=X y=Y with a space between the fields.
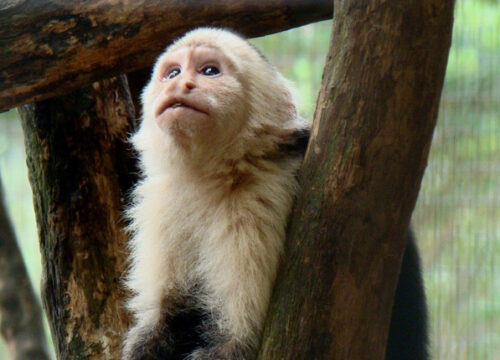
x=50 y=47
x=80 y=171
x=20 y=313
x=371 y=136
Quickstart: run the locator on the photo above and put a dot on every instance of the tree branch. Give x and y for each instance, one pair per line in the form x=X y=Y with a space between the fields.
x=21 y=316
x=371 y=135
x=50 y=47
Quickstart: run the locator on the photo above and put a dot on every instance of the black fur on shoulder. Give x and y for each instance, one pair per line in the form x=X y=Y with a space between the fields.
x=296 y=144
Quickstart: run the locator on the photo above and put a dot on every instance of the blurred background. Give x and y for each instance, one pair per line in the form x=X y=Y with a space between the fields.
x=457 y=218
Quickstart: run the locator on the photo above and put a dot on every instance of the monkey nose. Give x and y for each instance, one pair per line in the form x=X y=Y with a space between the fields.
x=189 y=84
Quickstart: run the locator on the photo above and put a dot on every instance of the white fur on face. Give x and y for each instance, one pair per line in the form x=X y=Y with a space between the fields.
x=195 y=95
x=213 y=205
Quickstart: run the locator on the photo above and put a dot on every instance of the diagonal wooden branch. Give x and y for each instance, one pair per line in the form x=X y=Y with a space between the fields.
x=371 y=135
x=49 y=47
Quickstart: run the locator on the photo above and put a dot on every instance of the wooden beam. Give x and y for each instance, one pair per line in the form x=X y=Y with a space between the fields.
x=50 y=47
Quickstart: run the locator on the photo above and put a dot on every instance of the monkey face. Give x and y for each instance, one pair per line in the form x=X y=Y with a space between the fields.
x=195 y=95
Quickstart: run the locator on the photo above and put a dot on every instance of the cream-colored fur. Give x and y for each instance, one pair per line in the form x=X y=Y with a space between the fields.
x=213 y=211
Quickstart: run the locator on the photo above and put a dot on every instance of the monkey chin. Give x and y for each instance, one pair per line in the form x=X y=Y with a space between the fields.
x=185 y=123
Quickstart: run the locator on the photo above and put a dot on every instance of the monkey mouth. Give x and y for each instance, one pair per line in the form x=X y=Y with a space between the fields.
x=176 y=104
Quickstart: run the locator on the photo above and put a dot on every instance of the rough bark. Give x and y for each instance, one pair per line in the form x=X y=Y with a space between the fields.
x=371 y=135
x=20 y=313
x=50 y=47
x=80 y=171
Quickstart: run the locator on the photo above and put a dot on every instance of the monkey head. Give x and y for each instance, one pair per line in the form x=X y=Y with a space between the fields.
x=212 y=91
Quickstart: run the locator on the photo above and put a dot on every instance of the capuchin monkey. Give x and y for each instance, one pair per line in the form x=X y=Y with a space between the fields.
x=220 y=145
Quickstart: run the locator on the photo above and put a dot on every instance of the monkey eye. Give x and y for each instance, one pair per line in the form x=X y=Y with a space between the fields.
x=210 y=70
x=172 y=73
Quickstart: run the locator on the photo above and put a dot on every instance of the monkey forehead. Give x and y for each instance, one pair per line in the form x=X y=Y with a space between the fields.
x=190 y=52
x=238 y=50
